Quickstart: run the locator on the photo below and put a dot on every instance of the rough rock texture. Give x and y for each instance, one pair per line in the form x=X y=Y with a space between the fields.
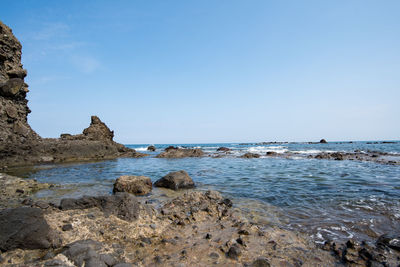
x=138 y=185
x=27 y=229
x=174 y=152
x=123 y=205
x=19 y=144
x=151 y=148
x=175 y=180
x=13 y=189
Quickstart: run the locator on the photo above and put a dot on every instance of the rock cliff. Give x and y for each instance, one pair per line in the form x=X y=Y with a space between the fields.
x=19 y=144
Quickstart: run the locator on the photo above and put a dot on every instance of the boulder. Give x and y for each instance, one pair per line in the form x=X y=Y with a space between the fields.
x=98 y=130
x=151 y=148
x=123 y=205
x=181 y=153
x=175 y=180
x=323 y=141
x=26 y=228
x=223 y=149
x=271 y=153
x=138 y=185
x=250 y=155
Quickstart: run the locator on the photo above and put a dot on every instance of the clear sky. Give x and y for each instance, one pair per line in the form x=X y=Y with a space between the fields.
x=212 y=71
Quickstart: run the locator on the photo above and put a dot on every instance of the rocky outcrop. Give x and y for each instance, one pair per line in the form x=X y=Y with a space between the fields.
x=151 y=148
x=175 y=180
x=26 y=228
x=19 y=144
x=323 y=141
x=250 y=155
x=223 y=149
x=174 y=152
x=137 y=185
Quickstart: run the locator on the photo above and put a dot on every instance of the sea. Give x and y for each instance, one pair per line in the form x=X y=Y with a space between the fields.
x=324 y=199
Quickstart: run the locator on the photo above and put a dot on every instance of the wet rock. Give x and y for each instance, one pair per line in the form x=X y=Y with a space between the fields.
x=223 y=149
x=250 y=155
x=323 y=141
x=26 y=228
x=271 y=153
x=123 y=205
x=138 y=185
x=234 y=252
x=261 y=262
x=389 y=241
x=174 y=152
x=175 y=180
x=151 y=148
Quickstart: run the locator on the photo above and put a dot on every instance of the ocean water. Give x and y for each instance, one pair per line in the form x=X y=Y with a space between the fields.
x=325 y=199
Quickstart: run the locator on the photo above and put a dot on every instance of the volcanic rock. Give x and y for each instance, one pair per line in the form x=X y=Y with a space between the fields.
x=26 y=228
x=138 y=185
x=173 y=152
x=175 y=180
x=151 y=148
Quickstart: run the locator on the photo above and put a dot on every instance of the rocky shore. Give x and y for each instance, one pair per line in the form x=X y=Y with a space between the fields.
x=20 y=145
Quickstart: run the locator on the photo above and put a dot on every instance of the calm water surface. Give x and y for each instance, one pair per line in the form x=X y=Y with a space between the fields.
x=323 y=198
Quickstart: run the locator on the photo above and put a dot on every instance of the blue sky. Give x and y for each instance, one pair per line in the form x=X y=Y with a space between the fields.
x=212 y=71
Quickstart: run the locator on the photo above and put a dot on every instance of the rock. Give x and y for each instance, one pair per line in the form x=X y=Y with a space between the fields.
x=389 y=241
x=214 y=255
x=151 y=148
x=123 y=205
x=175 y=180
x=223 y=149
x=123 y=264
x=138 y=185
x=271 y=153
x=85 y=253
x=98 y=130
x=261 y=262
x=250 y=155
x=323 y=141
x=26 y=228
x=234 y=252
x=173 y=152
x=11 y=87
x=67 y=227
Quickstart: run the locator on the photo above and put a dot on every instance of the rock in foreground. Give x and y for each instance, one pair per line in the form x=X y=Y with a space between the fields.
x=137 y=185
x=250 y=155
x=175 y=180
x=26 y=228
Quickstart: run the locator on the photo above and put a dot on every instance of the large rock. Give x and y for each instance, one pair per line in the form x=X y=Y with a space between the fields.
x=26 y=228
x=19 y=144
x=151 y=148
x=138 y=185
x=323 y=141
x=223 y=149
x=172 y=152
x=123 y=205
x=175 y=180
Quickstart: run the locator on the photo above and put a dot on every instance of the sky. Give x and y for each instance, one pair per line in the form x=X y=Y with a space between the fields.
x=212 y=71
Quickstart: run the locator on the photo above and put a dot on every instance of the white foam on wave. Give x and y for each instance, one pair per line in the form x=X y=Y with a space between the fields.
x=265 y=149
x=140 y=148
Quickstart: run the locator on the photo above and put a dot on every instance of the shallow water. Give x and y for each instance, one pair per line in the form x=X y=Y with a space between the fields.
x=323 y=198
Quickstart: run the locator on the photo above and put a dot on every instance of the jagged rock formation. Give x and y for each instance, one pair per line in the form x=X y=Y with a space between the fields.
x=19 y=144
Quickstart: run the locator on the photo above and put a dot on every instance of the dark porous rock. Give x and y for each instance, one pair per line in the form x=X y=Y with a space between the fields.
x=389 y=241
x=86 y=253
x=123 y=205
x=175 y=180
x=234 y=252
x=261 y=262
x=250 y=155
x=223 y=149
x=138 y=185
x=151 y=148
x=337 y=156
x=323 y=141
x=26 y=228
x=214 y=255
x=174 y=152
x=66 y=227
x=271 y=153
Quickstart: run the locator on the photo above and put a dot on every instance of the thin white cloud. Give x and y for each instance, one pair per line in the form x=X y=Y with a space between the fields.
x=51 y=31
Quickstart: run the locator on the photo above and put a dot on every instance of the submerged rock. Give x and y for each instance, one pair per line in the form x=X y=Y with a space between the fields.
x=223 y=149
x=26 y=228
x=250 y=155
x=138 y=185
x=175 y=180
